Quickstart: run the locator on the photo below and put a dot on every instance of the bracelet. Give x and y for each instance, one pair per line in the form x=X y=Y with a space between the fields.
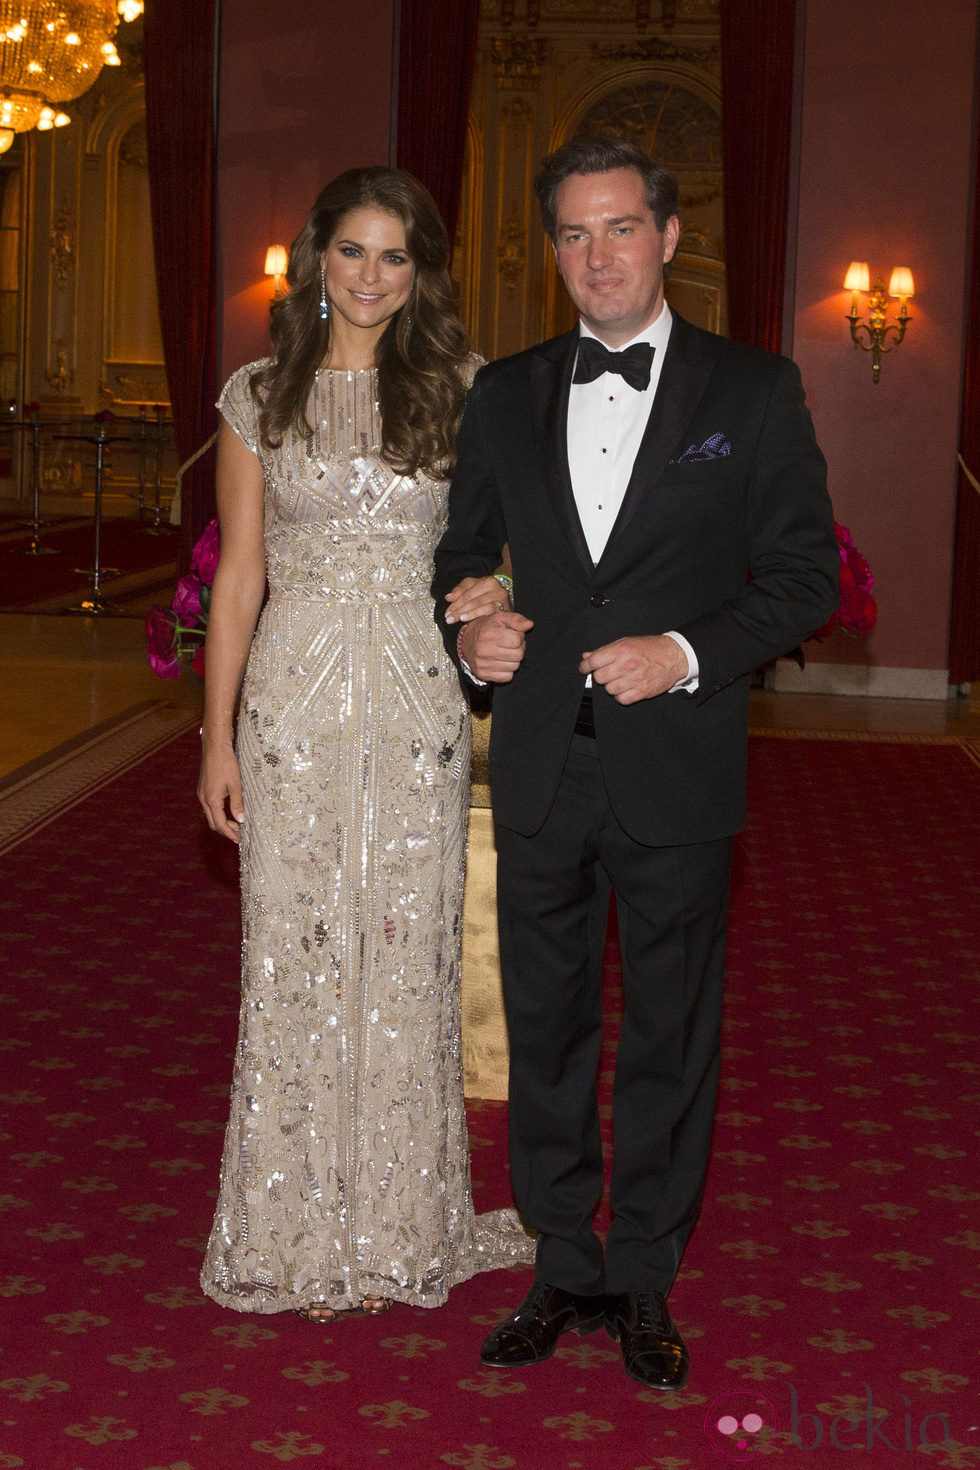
x=231 y=743
x=507 y=583
x=459 y=644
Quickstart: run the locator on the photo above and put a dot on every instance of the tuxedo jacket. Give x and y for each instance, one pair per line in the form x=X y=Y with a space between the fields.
x=735 y=550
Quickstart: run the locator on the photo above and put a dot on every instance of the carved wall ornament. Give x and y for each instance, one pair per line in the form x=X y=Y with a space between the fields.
x=61 y=379
x=518 y=111
x=133 y=384
x=532 y=12
x=594 y=10
x=655 y=48
x=675 y=125
x=62 y=247
x=64 y=474
x=518 y=59
x=512 y=250
x=132 y=149
x=696 y=241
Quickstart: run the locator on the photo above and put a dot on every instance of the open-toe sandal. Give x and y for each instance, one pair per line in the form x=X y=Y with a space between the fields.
x=375 y=1306
x=318 y=1313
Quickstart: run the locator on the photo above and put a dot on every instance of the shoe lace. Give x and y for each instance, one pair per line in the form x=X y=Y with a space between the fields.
x=651 y=1312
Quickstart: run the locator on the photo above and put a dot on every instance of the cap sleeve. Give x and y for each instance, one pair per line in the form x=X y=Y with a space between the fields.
x=470 y=367
x=237 y=405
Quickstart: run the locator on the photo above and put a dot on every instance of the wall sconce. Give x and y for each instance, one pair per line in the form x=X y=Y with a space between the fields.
x=876 y=328
x=276 y=260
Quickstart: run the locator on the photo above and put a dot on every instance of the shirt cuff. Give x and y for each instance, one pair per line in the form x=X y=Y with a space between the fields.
x=689 y=684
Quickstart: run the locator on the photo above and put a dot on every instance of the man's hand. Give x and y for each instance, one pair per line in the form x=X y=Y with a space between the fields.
x=632 y=669
x=493 y=647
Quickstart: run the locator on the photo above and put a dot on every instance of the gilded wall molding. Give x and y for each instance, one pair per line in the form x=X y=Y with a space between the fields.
x=512 y=250
x=133 y=384
x=655 y=48
x=648 y=70
x=508 y=12
x=518 y=59
x=60 y=379
x=62 y=477
x=62 y=248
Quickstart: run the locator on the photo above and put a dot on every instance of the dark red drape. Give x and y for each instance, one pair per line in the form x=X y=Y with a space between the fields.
x=964 y=637
x=179 y=39
x=437 y=50
x=757 y=46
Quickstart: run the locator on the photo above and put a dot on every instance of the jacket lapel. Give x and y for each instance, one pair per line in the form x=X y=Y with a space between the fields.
x=551 y=378
x=685 y=373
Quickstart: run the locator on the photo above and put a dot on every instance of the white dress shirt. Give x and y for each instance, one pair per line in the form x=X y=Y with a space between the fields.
x=606 y=421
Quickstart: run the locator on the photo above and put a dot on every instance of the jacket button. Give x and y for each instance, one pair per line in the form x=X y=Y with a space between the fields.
x=598 y=599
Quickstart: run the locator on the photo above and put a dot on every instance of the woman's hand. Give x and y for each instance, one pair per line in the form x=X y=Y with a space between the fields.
x=476 y=597
x=219 y=790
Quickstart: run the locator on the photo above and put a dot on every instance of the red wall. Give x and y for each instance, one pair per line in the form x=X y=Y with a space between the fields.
x=885 y=177
x=305 y=91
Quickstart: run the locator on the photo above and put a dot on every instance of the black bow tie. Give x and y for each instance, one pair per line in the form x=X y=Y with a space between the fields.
x=594 y=359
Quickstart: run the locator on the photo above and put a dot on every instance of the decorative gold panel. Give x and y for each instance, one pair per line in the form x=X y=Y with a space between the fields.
x=518 y=59
x=63 y=244
x=551 y=69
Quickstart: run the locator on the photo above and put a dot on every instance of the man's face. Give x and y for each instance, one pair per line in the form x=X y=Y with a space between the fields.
x=610 y=253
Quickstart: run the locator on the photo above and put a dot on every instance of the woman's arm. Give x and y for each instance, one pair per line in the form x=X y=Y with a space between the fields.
x=476 y=597
x=236 y=599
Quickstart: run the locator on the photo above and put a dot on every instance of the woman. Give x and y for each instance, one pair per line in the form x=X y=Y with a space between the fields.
x=345 y=1178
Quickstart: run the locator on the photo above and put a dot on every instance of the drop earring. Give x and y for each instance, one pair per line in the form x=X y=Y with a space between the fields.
x=324 y=303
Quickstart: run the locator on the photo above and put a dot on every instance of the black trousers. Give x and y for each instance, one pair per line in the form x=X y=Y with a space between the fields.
x=672 y=903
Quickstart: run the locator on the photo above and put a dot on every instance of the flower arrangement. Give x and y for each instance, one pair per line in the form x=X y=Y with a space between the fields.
x=856 y=611
x=176 y=633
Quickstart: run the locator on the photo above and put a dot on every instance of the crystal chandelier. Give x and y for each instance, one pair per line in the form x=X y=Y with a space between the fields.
x=51 y=51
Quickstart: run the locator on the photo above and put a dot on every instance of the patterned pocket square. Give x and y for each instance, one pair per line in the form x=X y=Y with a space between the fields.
x=717 y=447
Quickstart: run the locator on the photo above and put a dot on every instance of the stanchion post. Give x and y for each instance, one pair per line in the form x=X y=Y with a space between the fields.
x=36 y=546
x=95 y=605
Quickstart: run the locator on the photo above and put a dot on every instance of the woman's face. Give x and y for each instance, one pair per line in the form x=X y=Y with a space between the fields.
x=369 y=271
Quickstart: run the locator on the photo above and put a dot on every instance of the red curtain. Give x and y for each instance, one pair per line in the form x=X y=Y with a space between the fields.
x=437 y=50
x=757 y=46
x=964 y=638
x=179 y=39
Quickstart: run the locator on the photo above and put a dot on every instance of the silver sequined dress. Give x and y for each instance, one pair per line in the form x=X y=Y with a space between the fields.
x=345 y=1171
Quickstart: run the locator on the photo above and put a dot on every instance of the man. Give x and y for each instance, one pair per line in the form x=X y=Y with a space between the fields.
x=669 y=528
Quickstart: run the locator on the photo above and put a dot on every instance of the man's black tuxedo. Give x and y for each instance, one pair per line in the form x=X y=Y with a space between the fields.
x=677 y=559
x=735 y=551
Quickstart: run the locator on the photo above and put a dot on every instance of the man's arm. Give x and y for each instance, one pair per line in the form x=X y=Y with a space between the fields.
x=631 y=669
x=793 y=553
x=472 y=547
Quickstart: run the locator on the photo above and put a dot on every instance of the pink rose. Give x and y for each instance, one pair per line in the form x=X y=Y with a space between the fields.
x=160 y=644
x=828 y=626
x=861 y=613
x=187 y=598
x=204 y=557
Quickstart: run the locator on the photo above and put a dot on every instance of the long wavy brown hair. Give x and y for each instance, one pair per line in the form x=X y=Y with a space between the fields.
x=420 y=356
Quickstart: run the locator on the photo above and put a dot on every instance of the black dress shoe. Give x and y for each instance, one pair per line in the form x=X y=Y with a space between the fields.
x=653 y=1349
x=532 y=1334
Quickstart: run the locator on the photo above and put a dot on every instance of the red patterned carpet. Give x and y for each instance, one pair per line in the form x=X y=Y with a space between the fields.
x=831 y=1287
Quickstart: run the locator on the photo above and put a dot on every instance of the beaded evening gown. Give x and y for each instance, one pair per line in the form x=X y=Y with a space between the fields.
x=345 y=1171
